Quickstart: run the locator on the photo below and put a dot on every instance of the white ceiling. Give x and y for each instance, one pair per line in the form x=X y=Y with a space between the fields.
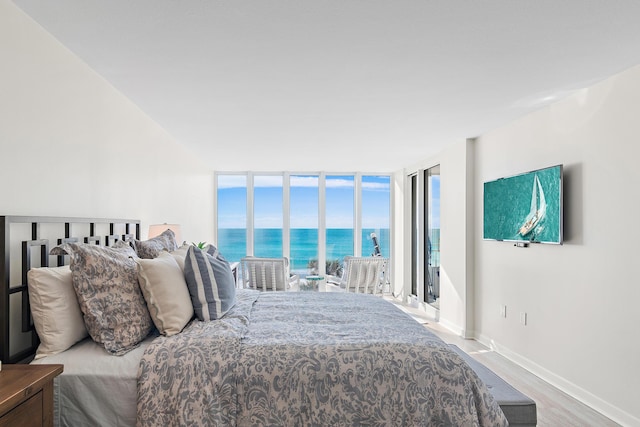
x=341 y=85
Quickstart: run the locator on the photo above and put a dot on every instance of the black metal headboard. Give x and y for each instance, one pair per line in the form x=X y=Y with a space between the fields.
x=25 y=242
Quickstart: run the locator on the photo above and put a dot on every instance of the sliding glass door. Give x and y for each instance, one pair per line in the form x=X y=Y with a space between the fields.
x=416 y=261
x=432 y=236
x=424 y=193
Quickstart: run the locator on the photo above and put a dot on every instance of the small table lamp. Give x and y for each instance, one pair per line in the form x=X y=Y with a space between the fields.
x=158 y=229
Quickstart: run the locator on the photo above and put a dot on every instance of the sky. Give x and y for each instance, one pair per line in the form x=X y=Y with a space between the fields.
x=268 y=194
x=434 y=208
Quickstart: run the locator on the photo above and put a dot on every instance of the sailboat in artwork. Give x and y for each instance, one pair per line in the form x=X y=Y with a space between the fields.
x=538 y=209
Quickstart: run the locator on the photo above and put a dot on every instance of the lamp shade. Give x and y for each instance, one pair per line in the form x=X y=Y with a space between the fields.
x=158 y=229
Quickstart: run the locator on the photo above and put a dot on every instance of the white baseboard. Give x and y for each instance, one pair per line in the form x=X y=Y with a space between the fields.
x=452 y=327
x=605 y=408
x=432 y=312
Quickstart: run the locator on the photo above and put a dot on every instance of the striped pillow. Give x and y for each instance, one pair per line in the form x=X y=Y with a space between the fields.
x=210 y=282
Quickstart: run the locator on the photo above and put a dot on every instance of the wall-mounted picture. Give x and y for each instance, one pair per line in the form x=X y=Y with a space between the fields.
x=525 y=207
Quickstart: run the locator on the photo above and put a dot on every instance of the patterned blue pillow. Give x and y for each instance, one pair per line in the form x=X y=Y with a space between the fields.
x=210 y=282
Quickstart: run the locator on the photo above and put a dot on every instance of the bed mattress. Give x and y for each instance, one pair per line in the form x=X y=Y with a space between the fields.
x=278 y=358
x=308 y=358
x=96 y=388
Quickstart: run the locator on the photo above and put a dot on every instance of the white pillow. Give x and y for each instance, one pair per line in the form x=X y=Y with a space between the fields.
x=55 y=309
x=165 y=290
x=180 y=254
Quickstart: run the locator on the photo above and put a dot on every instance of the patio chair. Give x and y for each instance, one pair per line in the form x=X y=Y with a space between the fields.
x=268 y=274
x=363 y=275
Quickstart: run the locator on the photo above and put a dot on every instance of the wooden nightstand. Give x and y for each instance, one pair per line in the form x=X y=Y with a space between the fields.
x=26 y=395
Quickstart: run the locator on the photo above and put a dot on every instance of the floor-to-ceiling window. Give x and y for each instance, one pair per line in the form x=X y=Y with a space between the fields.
x=314 y=219
x=303 y=214
x=339 y=217
x=376 y=211
x=232 y=216
x=267 y=215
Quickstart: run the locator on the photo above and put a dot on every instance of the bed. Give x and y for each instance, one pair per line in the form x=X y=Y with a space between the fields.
x=273 y=358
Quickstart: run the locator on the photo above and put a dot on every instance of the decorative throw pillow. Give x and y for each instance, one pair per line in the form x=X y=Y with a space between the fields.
x=213 y=251
x=165 y=290
x=121 y=244
x=210 y=282
x=105 y=281
x=180 y=254
x=55 y=310
x=149 y=249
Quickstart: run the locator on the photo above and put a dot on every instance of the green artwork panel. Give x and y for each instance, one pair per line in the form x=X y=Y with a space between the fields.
x=525 y=207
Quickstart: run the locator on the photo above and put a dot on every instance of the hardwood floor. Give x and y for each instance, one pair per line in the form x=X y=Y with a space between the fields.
x=555 y=408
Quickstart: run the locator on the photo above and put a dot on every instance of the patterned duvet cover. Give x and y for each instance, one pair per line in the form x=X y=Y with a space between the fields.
x=309 y=359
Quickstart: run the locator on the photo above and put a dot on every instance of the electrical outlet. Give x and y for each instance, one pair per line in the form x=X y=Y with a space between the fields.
x=523 y=318
x=503 y=311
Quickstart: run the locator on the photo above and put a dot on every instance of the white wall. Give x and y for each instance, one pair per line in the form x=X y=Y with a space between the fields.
x=456 y=223
x=582 y=298
x=71 y=145
x=455 y=253
x=399 y=249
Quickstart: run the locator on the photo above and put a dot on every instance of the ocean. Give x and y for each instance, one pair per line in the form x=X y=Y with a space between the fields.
x=232 y=243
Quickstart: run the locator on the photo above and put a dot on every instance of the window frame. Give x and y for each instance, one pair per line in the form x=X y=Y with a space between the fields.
x=322 y=229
